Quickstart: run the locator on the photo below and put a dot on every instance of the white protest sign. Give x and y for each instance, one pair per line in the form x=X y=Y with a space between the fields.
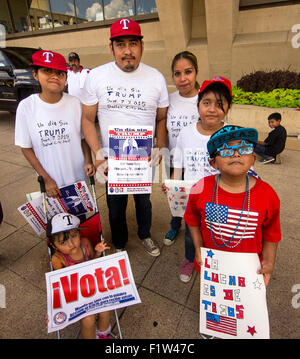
x=178 y=194
x=75 y=199
x=232 y=296
x=129 y=152
x=91 y=287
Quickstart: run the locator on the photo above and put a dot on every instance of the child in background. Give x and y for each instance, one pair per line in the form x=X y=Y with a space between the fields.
x=274 y=144
x=182 y=112
x=48 y=127
x=69 y=249
x=191 y=154
x=255 y=226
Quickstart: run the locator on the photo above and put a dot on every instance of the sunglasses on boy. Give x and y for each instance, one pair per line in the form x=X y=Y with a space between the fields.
x=228 y=151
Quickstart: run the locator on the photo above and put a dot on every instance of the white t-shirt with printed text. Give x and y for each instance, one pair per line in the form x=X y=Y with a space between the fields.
x=53 y=131
x=125 y=98
x=182 y=112
x=192 y=155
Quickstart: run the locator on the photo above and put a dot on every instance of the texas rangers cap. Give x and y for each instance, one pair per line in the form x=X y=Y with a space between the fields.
x=50 y=59
x=217 y=79
x=125 y=27
x=231 y=133
x=63 y=222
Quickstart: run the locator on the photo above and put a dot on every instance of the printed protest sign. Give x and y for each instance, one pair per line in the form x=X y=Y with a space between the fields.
x=178 y=195
x=129 y=168
x=76 y=199
x=91 y=287
x=232 y=296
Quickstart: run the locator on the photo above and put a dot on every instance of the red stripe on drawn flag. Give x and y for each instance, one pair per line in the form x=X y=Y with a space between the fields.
x=221 y=324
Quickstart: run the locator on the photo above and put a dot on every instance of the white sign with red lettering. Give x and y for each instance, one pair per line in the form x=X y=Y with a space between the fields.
x=232 y=296
x=99 y=285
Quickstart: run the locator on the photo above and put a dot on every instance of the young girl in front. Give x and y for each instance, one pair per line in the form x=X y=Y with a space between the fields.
x=48 y=127
x=70 y=248
x=182 y=112
x=190 y=155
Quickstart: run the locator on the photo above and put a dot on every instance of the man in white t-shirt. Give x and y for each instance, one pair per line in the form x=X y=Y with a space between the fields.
x=76 y=75
x=125 y=92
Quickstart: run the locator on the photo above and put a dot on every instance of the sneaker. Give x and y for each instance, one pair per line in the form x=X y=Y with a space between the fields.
x=169 y=238
x=151 y=247
x=267 y=160
x=186 y=271
x=103 y=336
x=118 y=250
x=206 y=336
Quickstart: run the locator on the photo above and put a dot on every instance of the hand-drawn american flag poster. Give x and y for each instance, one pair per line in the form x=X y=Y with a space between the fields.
x=225 y=222
x=232 y=296
x=178 y=194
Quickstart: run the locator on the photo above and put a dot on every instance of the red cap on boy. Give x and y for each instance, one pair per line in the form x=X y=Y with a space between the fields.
x=46 y=58
x=218 y=79
x=125 y=27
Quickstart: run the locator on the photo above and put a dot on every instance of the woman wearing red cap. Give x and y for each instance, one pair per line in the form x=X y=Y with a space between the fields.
x=48 y=127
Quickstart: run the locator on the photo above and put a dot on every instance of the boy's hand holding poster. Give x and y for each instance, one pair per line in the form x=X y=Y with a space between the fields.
x=232 y=296
x=88 y=288
x=129 y=151
x=75 y=199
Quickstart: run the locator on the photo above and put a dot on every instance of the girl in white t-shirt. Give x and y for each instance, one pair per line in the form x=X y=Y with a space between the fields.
x=48 y=127
x=191 y=154
x=182 y=112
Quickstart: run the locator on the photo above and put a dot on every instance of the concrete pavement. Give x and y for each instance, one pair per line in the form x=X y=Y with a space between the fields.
x=169 y=308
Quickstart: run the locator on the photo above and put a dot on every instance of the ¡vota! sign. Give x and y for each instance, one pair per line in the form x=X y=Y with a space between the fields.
x=91 y=287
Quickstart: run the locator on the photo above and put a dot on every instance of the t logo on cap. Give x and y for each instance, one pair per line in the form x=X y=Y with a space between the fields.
x=47 y=53
x=68 y=219
x=125 y=21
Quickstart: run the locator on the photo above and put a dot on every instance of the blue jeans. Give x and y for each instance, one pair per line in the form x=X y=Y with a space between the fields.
x=117 y=205
x=176 y=223
x=189 y=245
x=261 y=151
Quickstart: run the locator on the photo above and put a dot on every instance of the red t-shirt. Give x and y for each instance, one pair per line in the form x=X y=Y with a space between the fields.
x=225 y=223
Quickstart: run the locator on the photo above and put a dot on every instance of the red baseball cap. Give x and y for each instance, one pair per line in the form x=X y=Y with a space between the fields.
x=125 y=27
x=53 y=60
x=217 y=79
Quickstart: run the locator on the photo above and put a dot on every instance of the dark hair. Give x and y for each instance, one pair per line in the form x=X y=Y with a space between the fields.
x=275 y=116
x=120 y=38
x=219 y=91
x=187 y=55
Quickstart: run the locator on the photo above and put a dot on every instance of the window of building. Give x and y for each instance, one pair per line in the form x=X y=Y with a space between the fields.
x=118 y=8
x=89 y=10
x=255 y=3
x=63 y=12
x=145 y=7
x=39 y=14
x=5 y=19
x=31 y=15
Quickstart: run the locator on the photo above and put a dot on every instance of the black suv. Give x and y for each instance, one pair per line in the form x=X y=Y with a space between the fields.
x=16 y=80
